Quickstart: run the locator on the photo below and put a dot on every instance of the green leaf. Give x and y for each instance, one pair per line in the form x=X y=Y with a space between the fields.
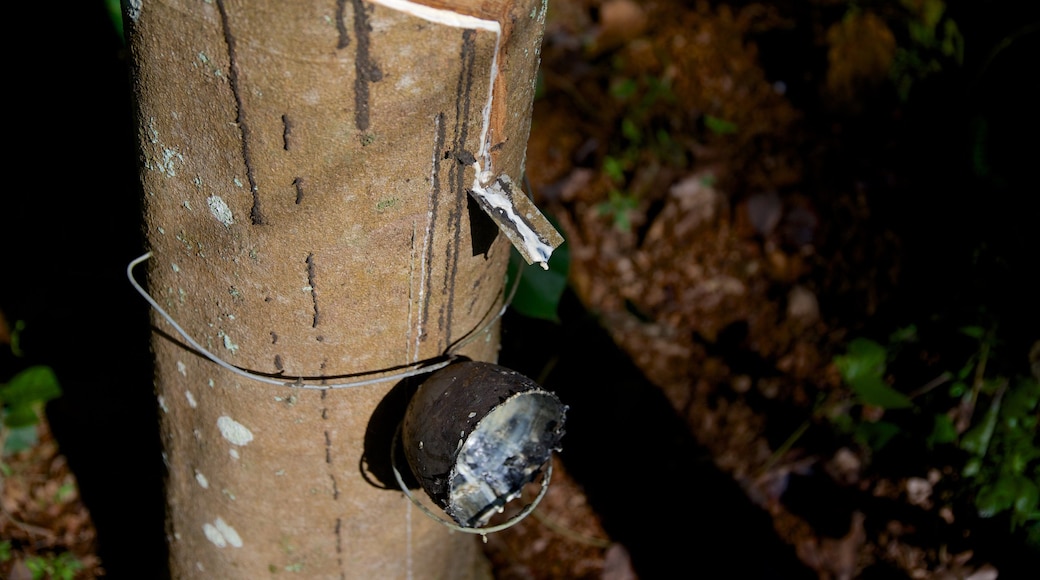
x=843 y=423
x=994 y=498
x=943 y=431
x=972 y=467
x=624 y=89
x=538 y=291
x=614 y=170
x=34 y=384
x=20 y=416
x=631 y=131
x=1029 y=423
x=931 y=14
x=1017 y=493
x=618 y=205
x=1027 y=498
x=973 y=331
x=862 y=368
x=719 y=126
x=657 y=89
x=953 y=42
x=115 y=15
x=864 y=358
x=905 y=334
x=877 y=434
x=976 y=440
x=664 y=138
x=29 y=388
x=1023 y=398
x=966 y=370
x=874 y=391
x=1020 y=450
x=37 y=566
x=67 y=565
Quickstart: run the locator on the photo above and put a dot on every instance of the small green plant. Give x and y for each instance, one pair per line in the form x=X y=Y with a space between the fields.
x=1003 y=453
x=1005 y=462
x=862 y=367
x=63 y=566
x=21 y=399
x=719 y=126
x=619 y=203
x=618 y=206
x=935 y=41
x=645 y=140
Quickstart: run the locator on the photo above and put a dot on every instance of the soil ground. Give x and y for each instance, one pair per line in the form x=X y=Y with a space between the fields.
x=745 y=188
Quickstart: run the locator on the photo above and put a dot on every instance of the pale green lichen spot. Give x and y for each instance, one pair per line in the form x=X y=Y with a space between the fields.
x=220 y=210
x=235 y=432
x=222 y=534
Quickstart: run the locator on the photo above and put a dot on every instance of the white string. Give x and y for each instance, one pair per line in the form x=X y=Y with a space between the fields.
x=299 y=383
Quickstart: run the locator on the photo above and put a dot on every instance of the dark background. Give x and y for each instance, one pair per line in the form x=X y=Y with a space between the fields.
x=72 y=221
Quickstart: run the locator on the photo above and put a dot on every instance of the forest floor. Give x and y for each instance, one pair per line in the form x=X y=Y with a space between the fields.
x=758 y=198
x=800 y=336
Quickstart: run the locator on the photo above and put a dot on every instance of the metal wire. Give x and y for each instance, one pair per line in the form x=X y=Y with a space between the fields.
x=417 y=368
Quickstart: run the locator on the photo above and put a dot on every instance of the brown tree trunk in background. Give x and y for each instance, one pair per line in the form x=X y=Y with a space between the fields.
x=305 y=168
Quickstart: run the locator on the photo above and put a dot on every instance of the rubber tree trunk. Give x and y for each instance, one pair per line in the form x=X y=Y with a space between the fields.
x=305 y=168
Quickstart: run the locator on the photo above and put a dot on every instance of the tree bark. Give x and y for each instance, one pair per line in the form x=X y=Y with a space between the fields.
x=305 y=168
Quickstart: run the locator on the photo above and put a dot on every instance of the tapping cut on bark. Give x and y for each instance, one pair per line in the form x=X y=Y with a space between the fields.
x=519 y=219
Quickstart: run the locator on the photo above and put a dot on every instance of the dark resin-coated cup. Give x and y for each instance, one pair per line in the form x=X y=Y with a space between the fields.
x=475 y=433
